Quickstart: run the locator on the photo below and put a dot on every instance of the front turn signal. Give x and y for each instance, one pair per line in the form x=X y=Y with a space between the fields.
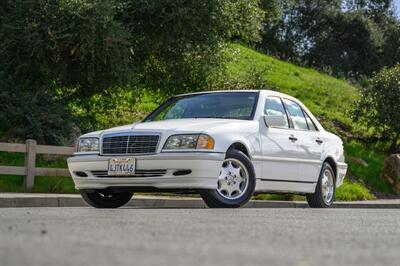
x=205 y=142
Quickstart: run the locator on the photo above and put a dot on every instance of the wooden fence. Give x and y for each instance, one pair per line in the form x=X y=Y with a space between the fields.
x=30 y=148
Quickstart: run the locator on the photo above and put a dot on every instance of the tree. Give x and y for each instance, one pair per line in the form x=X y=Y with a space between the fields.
x=67 y=51
x=391 y=45
x=280 y=37
x=291 y=34
x=74 y=44
x=53 y=51
x=348 y=43
x=176 y=44
x=348 y=38
x=379 y=105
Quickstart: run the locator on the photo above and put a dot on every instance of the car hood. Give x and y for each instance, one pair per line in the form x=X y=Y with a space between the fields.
x=188 y=125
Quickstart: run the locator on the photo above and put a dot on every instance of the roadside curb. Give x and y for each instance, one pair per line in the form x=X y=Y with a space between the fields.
x=13 y=200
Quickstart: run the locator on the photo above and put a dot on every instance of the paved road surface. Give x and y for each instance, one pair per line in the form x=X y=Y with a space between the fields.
x=76 y=236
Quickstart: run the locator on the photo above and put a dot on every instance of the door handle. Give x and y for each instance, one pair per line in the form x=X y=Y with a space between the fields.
x=293 y=138
x=319 y=141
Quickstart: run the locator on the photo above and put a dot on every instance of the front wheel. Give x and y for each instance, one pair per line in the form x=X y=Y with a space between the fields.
x=236 y=182
x=325 y=190
x=104 y=198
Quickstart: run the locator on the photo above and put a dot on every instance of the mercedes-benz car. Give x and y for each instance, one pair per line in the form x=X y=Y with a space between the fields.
x=224 y=145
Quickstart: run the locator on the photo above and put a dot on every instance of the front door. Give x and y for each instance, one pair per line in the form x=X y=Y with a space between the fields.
x=278 y=145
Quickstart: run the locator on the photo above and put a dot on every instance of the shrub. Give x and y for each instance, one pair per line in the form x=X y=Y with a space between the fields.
x=379 y=105
x=37 y=115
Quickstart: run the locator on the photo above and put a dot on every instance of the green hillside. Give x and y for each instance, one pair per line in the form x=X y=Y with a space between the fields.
x=330 y=99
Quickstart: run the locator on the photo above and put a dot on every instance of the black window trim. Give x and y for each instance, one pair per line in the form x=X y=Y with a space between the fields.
x=307 y=115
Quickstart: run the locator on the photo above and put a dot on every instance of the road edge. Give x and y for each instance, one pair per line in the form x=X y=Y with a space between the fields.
x=11 y=200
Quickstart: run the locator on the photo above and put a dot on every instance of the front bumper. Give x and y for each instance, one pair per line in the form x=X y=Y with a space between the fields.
x=341 y=173
x=204 y=168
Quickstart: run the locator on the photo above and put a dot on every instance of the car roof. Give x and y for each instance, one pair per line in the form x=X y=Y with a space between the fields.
x=269 y=92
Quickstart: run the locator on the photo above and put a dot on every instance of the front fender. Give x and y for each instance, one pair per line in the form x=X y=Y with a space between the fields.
x=250 y=140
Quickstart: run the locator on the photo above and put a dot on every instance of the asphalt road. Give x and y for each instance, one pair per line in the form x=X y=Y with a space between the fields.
x=87 y=236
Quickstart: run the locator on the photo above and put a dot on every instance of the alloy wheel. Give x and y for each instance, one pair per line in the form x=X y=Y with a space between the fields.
x=327 y=186
x=233 y=179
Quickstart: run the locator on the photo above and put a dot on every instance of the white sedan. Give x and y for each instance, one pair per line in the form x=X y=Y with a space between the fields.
x=225 y=145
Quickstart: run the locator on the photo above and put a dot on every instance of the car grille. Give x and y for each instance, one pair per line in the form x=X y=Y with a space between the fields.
x=138 y=173
x=130 y=144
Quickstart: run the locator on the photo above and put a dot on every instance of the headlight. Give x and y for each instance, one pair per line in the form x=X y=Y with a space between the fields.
x=88 y=144
x=192 y=141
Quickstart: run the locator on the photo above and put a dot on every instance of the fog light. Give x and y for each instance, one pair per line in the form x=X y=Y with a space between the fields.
x=81 y=174
x=182 y=172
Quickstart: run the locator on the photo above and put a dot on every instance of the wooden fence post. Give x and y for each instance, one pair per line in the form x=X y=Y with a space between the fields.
x=30 y=163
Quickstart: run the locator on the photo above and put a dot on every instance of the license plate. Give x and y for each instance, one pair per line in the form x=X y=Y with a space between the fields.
x=121 y=166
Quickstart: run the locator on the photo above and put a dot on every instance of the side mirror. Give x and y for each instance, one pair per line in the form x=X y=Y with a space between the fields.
x=276 y=121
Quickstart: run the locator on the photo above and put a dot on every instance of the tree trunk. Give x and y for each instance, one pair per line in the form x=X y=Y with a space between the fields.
x=394 y=148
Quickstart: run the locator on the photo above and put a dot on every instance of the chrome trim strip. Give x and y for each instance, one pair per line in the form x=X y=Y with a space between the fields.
x=190 y=151
x=129 y=133
x=288 y=181
x=282 y=159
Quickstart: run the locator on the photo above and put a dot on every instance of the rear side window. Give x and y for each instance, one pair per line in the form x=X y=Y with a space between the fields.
x=296 y=114
x=274 y=107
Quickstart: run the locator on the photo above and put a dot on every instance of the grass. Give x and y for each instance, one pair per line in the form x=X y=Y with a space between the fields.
x=368 y=174
x=18 y=159
x=290 y=197
x=350 y=191
x=43 y=184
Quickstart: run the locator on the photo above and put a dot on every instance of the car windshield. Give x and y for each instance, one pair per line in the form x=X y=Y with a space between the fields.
x=226 y=105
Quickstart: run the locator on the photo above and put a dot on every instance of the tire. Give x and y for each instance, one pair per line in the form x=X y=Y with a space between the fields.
x=219 y=198
x=320 y=199
x=103 y=198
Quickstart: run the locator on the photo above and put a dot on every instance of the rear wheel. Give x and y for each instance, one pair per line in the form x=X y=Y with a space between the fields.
x=104 y=198
x=325 y=190
x=236 y=182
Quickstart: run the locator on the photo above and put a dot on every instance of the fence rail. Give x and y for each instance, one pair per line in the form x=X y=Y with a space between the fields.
x=30 y=148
